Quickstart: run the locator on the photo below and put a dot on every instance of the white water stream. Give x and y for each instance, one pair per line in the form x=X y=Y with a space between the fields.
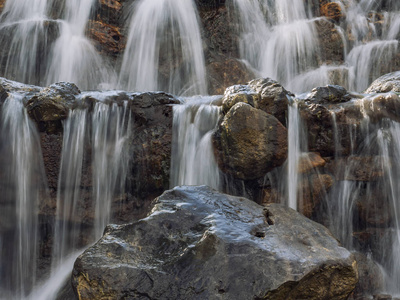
x=164 y=49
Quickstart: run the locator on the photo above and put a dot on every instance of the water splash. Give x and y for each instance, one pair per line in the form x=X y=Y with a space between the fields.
x=164 y=49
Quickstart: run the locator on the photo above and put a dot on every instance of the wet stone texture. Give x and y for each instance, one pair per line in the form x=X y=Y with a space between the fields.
x=200 y=244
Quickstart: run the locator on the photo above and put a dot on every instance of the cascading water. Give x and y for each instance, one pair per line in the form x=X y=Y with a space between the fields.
x=193 y=161
x=371 y=49
x=280 y=40
x=164 y=49
x=73 y=57
x=377 y=198
x=21 y=188
x=280 y=44
x=28 y=25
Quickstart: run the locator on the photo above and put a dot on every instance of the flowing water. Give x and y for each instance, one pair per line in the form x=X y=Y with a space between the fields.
x=26 y=22
x=73 y=57
x=280 y=40
x=108 y=129
x=164 y=49
x=277 y=39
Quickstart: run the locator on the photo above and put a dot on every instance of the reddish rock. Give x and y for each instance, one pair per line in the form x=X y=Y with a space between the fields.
x=310 y=161
x=332 y=11
x=107 y=38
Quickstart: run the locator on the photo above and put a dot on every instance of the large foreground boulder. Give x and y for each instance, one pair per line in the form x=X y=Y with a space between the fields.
x=200 y=244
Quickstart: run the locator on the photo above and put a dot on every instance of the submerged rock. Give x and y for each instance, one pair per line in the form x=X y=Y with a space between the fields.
x=200 y=244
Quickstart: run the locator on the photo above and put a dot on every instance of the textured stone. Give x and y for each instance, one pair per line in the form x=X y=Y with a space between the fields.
x=200 y=244
x=386 y=83
x=274 y=98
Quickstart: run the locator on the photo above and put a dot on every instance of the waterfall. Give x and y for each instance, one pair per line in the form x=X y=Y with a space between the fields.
x=22 y=185
x=164 y=49
x=193 y=161
x=280 y=41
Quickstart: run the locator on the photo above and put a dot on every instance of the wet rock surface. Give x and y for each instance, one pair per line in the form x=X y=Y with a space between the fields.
x=200 y=244
x=386 y=83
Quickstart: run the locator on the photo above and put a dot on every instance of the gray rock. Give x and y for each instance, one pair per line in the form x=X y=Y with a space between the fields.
x=200 y=244
x=329 y=94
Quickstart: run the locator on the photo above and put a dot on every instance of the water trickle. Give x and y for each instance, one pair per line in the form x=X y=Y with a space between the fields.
x=294 y=153
x=111 y=156
x=22 y=187
x=164 y=49
x=69 y=186
x=193 y=161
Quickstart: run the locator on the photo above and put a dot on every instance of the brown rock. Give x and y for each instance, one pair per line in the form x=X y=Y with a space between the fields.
x=222 y=74
x=386 y=83
x=374 y=208
x=382 y=106
x=250 y=142
x=331 y=43
x=2 y=3
x=309 y=161
x=236 y=94
x=357 y=168
x=371 y=278
x=311 y=190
